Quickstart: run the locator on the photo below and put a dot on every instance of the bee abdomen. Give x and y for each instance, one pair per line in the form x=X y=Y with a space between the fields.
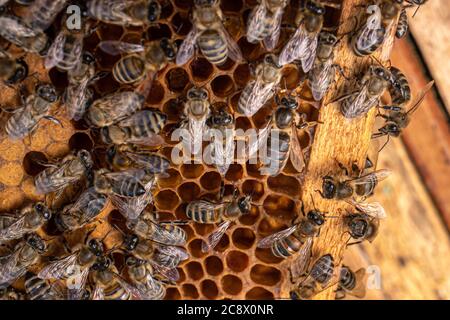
x=129 y=187
x=361 y=52
x=402 y=27
x=117 y=292
x=196 y=212
x=36 y=288
x=213 y=46
x=286 y=247
x=399 y=90
x=129 y=69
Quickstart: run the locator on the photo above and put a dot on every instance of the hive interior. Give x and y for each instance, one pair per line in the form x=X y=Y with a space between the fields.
x=236 y=269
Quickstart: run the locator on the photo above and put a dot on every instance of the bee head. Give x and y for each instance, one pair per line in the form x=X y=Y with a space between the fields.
x=85 y=157
x=88 y=58
x=391 y=128
x=358 y=227
x=316 y=217
x=329 y=187
x=42 y=210
x=221 y=119
x=102 y=263
x=244 y=204
x=315 y=7
x=36 y=242
x=205 y=3
x=154 y=11
x=327 y=38
x=47 y=92
x=198 y=93
x=130 y=242
x=168 y=48
x=96 y=247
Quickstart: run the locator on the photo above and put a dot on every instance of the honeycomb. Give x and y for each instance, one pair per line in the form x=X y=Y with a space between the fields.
x=236 y=269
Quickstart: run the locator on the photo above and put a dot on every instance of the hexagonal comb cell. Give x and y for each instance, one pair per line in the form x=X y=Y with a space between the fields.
x=258 y=293
x=33 y=162
x=194 y=270
x=237 y=260
x=243 y=238
x=189 y=291
x=214 y=265
x=265 y=275
x=231 y=284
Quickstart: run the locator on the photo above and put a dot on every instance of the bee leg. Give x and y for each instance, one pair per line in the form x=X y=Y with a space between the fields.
x=341 y=166
x=54 y=120
x=340 y=70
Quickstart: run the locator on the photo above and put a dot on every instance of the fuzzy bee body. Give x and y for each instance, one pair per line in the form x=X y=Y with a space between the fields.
x=25 y=119
x=17 y=32
x=141 y=128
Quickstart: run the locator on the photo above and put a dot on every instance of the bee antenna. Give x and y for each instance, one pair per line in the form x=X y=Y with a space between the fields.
x=384 y=145
x=312 y=200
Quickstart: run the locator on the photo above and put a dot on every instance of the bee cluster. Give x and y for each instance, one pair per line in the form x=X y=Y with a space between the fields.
x=117 y=217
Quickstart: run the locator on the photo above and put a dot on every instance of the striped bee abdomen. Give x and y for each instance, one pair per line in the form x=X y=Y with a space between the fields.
x=202 y=212
x=286 y=247
x=213 y=46
x=128 y=187
x=129 y=69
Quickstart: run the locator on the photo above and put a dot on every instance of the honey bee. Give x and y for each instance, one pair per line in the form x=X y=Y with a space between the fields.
x=39 y=289
x=78 y=96
x=364 y=224
x=113 y=108
x=66 y=50
x=126 y=156
x=258 y=91
x=298 y=237
x=402 y=26
x=41 y=13
x=303 y=44
x=370 y=36
x=399 y=88
x=12 y=71
x=146 y=227
x=74 y=268
x=398 y=118
x=109 y=285
x=221 y=134
x=58 y=176
x=280 y=137
x=264 y=23
x=209 y=34
x=127 y=183
x=141 y=61
x=88 y=206
x=368 y=93
x=323 y=71
x=316 y=279
x=163 y=259
x=17 y=32
x=226 y=211
x=333 y=188
x=125 y=13
x=25 y=254
x=31 y=218
x=141 y=275
x=196 y=112
x=141 y=128
x=351 y=283
x=36 y=107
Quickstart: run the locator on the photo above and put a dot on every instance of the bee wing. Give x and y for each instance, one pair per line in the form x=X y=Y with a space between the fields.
x=296 y=47
x=55 y=53
x=419 y=97
x=214 y=238
x=170 y=274
x=299 y=265
x=268 y=241
x=256 y=20
x=152 y=289
x=14 y=231
x=272 y=40
x=310 y=53
x=16 y=27
x=234 y=52
x=369 y=35
x=76 y=284
x=9 y=270
x=99 y=293
x=90 y=202
x=147 y=139
x=60 y=269
x=261 y=92
x=223 y=152
x=254 y=146
x=187 y=48
x=378 y=175
x=320 y=78
x=173 y=251
x=373 y=209
x=295 y=151
x=164 y=236
x=359 y=103
x=131 y=208
x=56 y=180
x=114 y=47
x=135 y=293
